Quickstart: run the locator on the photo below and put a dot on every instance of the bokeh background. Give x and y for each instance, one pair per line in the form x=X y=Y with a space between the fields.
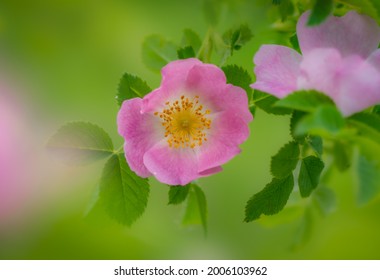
x=65 y=57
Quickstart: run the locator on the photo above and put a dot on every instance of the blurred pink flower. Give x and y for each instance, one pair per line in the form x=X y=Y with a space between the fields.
x=339 y=57
x=15 y=173
x=188 y=127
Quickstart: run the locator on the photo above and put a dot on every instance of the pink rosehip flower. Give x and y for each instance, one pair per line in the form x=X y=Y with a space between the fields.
x=339 y=58
x=188 y=127
x=15 y=174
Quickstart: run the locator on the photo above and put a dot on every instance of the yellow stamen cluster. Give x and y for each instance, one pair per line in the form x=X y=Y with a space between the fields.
x=185 y=122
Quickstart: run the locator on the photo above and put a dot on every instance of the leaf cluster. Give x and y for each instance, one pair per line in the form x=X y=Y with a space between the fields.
x=288 y=11
x=352 y=141
x=158 y=51
x=273 y=198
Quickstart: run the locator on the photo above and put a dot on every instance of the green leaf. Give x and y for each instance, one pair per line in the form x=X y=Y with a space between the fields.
x=190 y=38
x=376 y=110
x=295 y=43
x=202 y=203
x=288 y=215
x=196 y=210
x=316 y=143
x=178 y=194
x=286 y=9
x=208 y=45
x=238 y=76
x=157 y=52
x=321 y=10
x=342 y=152
x=266 y=103
x=80 y=143
x=192 y=214
x=306 y=101
x=370 y=120
x=236 y=38
x=376 y=5
x=130 y=87
x=93 y=202
x=252 y=109
x=123 y=194
x=308 y=180
x=368 y=170
x=271 y=200
x=367 y=124
x=369 y=7
x=296 y=117
x=285 y=161
x=304 y=230
x=293 y=211
x=325 y=121
x=185 y=52
x=325 y=199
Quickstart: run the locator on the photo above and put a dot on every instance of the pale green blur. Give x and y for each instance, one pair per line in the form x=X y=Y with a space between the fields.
x=69 y=56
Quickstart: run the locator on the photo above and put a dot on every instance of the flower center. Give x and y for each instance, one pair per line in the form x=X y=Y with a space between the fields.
x=185 y=122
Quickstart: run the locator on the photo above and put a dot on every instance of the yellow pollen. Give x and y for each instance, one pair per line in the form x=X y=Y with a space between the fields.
x=185 y=122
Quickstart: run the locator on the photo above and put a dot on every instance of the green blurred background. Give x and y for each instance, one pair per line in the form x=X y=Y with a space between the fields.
x=68 y=56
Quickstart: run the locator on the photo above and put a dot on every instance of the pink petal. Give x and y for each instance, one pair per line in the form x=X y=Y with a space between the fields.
x=351 y=34
x=174 y=73
x=174 y=76
x=276 y=70
x=228 y=131
x=234 y=99
x=320 y=70
x=210 y=82
x=207 y=79
x=374 y=59
x=140 y=132
x=170 y=165
x=360 y=87
x=352 y=82
x=211 y=171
